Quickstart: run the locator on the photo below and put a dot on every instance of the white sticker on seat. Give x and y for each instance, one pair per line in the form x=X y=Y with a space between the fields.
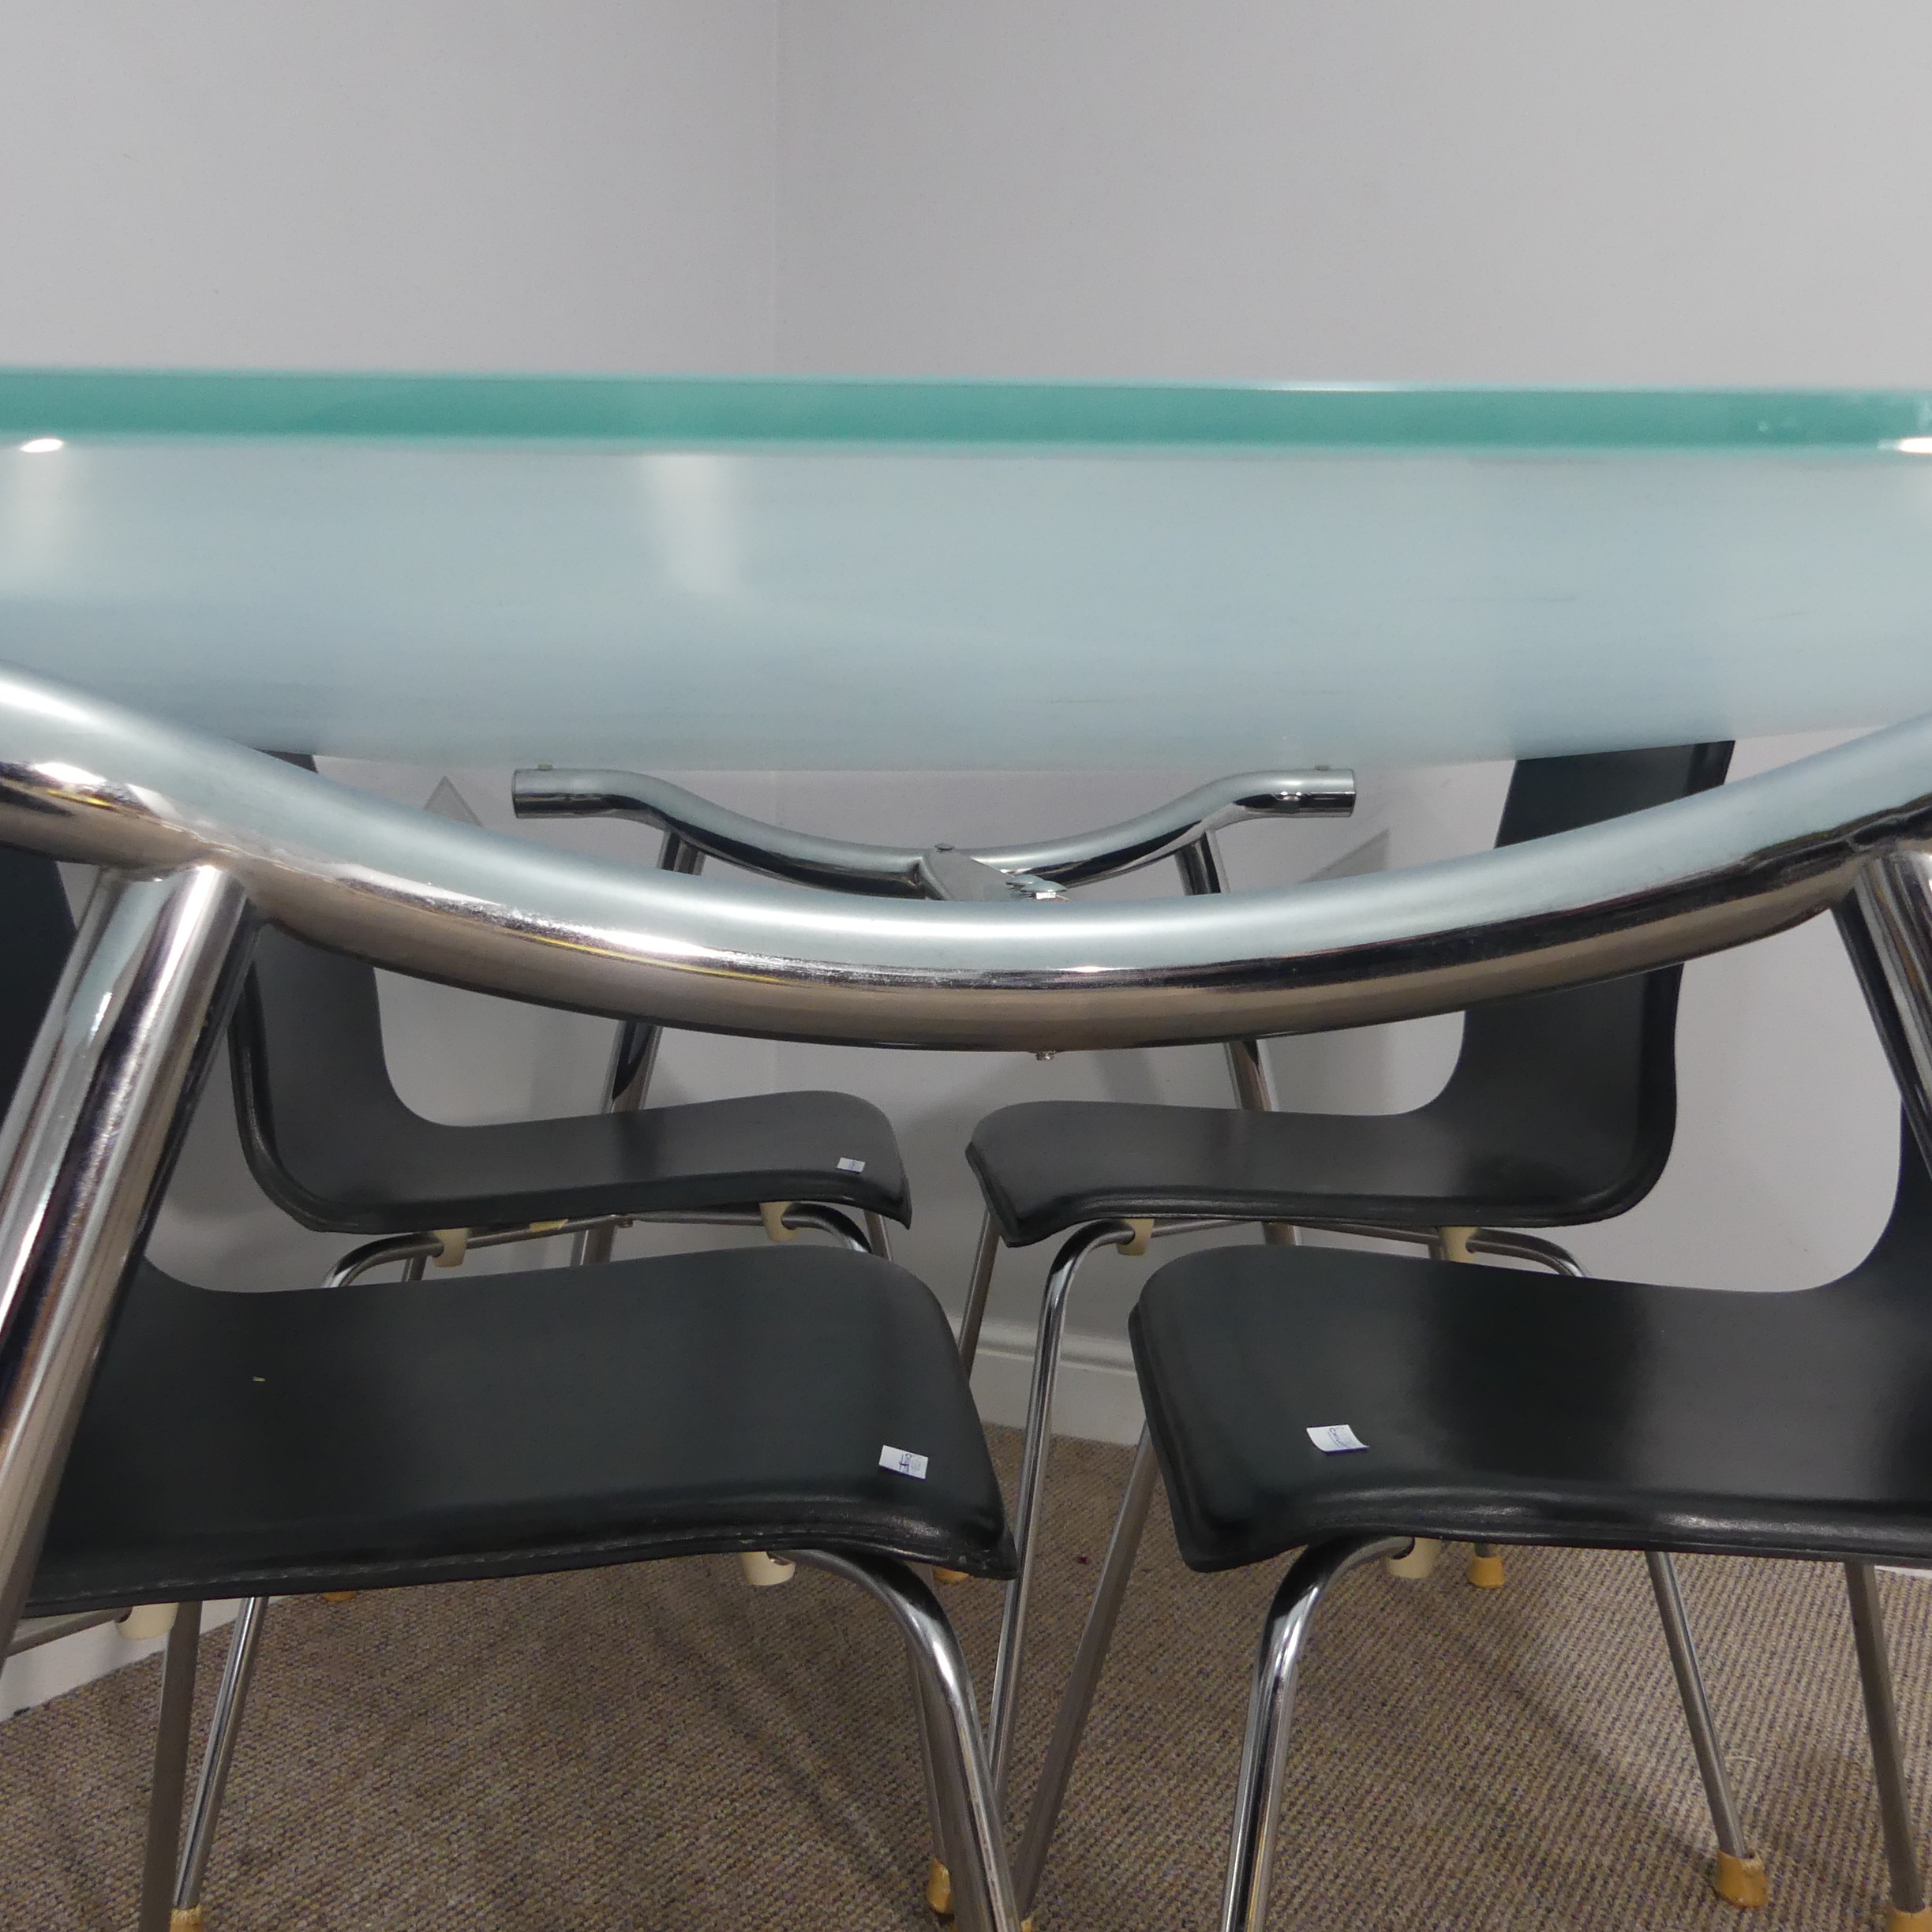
x=847 y=1165
x=902 y=1462
x=1335 y=1439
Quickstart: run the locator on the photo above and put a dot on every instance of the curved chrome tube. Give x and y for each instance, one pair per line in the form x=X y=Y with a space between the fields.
x=894 y=872
x=83 y=779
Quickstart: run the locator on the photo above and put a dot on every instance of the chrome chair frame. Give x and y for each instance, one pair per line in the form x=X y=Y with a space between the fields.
x=196 y=839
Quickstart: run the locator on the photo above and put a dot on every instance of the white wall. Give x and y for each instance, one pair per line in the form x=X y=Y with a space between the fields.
x=1502 y=191
x=388 y=184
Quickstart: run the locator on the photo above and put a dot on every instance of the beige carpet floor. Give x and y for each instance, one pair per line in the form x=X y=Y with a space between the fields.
x=661 y=1750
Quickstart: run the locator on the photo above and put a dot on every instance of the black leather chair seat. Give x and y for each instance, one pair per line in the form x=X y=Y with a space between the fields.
x=399 y=1173
x=1500 y=1407
x=242 y=1444
x=1045 y=1167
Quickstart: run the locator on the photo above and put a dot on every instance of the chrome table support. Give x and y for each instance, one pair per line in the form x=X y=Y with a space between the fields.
x=1908 y=1895
x=170 y=1782
x=1084 y=1680
x=218 y=1756
x=81 y=778
x=1028 y=1511
x=1271 y=1711
x=982 y=1881
x=887 y=871
x=83 y=1157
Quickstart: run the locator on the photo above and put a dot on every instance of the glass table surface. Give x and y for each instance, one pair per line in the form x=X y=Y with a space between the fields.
x=755 y=573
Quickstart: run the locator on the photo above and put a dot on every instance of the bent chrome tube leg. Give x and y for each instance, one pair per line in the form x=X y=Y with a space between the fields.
x=876 y=1235
x=1089 y=1661
x=981 y=1879
x=938 y=1870
x=1908 y=1895
x=983 y=1258
x=1271 y=1710
x=217 y=1757
x=170 y=1783
x=84 y=1154
x=1034 y=1455
x=1739 y=1875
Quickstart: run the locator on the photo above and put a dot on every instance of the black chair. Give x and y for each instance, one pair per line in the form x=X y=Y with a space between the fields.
x=1489 y=1408
x=1560 y=1110
x=807 y=1400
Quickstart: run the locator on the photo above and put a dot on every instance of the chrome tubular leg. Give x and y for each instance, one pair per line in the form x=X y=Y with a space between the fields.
x=981 y=1880
x=217 y=1756
x=84 y=1154
x=983 y=1258
x=1034 y=1455
x=170 y=1770
x=1739 y=1874
x=1908 y=1897
x=876 y=1235
x=938 y=1870
x=1089 y=1661
x=1270 y=1710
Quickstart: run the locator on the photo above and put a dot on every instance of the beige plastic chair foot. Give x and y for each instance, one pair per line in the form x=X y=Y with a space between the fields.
x=1919 y=1921
x=1486 y=1573
x=949 y=1578
x=938 y=1889
x=1741 y=1881
x=762 y=1571
x=145 y=1622
x=338 y=1595
x=185 y=1919
x=1418 y=1565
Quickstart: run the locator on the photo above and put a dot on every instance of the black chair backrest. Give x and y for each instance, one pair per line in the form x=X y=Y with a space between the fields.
x=39 y=931
x=305 y=1050
x=1592 y=1069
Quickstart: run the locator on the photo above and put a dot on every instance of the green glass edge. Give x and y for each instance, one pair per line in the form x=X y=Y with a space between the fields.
x=685 y=411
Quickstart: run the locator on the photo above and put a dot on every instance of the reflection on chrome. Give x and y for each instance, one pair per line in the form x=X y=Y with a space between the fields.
x=423 y=895
x=897 y=872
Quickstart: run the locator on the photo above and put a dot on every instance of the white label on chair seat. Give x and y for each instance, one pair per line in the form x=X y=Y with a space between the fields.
x=847 y=1165
x=1335 y=1439
x=902 y=1462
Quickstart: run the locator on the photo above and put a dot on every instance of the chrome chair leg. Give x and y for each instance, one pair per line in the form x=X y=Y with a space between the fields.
x=169 y=1785
x=1033 y=1459
x=1908 y=1897
x=876 y=1235
x=982 y=1881
x=1270 y=1710
x=938 y=1868
x=1089 y=1661
x=217 y=1757
x=983 y=1258
x=1737 y=1875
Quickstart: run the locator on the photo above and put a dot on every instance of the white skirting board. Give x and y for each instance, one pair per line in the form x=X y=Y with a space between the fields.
x=1096 y=1396
x=55 y=1669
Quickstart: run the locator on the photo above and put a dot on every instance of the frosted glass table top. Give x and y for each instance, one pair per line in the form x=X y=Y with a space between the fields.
x=760 y=573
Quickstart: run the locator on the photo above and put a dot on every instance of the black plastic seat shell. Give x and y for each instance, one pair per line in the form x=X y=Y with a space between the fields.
x=1501 y=1407
x=237 y=1444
